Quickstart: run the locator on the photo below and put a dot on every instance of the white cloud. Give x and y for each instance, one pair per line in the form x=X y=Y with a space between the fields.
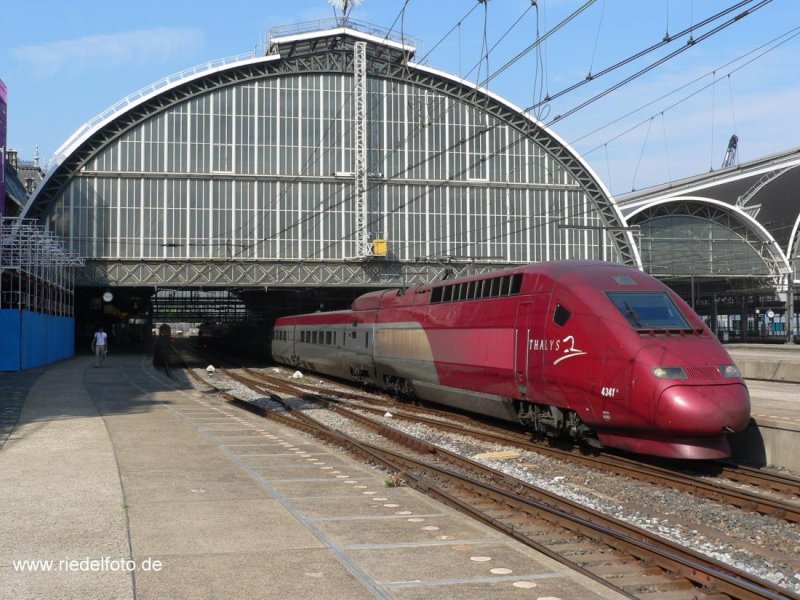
x=109 y=51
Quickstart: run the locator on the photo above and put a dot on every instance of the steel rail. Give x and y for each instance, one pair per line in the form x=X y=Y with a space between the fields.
x=693 y=566
x=635 y=469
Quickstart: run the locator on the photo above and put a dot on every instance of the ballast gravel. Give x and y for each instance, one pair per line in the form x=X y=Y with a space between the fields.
x=763 y=546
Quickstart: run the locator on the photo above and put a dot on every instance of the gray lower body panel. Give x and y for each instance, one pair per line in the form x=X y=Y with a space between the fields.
x=485 y=404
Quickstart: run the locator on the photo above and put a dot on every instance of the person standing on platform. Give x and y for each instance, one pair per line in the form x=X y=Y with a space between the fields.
x=99 y=346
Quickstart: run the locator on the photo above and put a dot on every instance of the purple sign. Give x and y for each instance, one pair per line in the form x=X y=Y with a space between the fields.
x=3 y=105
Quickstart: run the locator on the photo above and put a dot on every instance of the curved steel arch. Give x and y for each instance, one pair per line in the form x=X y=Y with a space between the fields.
x=794 y=246
x=331 y=52
x=727 y=215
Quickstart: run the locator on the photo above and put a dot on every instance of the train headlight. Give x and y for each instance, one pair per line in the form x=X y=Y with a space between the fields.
x=729 y=371
x=669 y=373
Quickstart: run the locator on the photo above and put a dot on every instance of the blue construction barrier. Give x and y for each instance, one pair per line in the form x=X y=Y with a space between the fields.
x=29 y=339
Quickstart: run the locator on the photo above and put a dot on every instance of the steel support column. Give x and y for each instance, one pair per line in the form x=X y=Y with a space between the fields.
x=363 y=247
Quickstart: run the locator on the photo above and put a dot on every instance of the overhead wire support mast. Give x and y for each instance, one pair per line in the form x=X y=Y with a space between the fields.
x=363 y=246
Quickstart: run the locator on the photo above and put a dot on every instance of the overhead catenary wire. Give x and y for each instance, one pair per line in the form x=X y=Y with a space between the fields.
x=417 y=130
x=393 y=150
x=455 y=27
x=792 y=33
x=597 y=39
x=713 y=114
x=789 y=35
x=641 y=154
x=467 y=168
x=462 y=141
x=642 y=53
x=316 y=154
x=657 y=63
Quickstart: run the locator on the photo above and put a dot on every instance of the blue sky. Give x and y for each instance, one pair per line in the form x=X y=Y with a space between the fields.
x=64 y=62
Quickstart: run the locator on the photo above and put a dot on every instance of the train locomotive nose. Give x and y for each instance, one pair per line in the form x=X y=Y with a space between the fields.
x=698 y=411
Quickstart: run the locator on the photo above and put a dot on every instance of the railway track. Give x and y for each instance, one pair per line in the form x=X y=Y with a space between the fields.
x=698 y=486
x=624 y=557
x=786 y=508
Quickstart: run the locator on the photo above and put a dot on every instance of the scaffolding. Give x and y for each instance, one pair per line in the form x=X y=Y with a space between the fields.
x=37 y=273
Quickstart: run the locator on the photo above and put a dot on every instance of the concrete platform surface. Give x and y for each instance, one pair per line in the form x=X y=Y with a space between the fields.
x=773 y=437
x=119 y=483
x=772 y=362
x=772 y=373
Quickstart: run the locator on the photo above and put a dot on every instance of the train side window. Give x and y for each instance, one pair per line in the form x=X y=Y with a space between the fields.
x=494 y=286
x=366 y=340
x=505 y=285
x=328 y=338
x=436 y=295
x=561 y=315
x=447 y=293
x=516 y=283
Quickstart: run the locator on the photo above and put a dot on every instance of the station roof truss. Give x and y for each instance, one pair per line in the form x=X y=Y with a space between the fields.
x=580 y=219
x=693 y=237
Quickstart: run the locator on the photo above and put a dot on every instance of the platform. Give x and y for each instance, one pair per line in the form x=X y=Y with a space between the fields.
x=135 y=488
x=771 y=362
x=772 y=373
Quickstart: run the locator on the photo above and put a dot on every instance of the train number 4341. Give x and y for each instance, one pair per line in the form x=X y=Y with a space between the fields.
x=609 y=392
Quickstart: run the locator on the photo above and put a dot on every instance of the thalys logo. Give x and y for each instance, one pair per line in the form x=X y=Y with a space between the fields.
x=565 y=347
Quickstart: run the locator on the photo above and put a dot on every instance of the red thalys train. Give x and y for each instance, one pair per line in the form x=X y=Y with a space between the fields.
x=593 y=350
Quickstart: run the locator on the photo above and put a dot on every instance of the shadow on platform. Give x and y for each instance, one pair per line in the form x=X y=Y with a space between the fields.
x=748 y=446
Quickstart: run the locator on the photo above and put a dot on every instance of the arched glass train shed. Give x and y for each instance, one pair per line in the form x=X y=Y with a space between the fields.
x=685 y=236
x=332 y=160
x=719 y=258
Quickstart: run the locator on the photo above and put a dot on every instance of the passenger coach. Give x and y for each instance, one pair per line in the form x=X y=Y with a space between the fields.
x=593 y=350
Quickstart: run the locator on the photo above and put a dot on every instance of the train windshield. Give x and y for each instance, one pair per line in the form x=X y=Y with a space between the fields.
x=649 y=310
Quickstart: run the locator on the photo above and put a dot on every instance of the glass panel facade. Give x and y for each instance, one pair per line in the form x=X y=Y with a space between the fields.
x=685 y=245
x=263 y=170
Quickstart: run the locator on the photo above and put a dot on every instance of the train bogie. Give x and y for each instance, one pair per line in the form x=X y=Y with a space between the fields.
x=597 y=351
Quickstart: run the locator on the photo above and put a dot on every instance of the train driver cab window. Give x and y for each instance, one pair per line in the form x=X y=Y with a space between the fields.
x=561 y=315
x=648 y=310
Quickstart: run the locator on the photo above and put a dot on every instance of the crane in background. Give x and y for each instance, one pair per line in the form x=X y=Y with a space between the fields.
x=730 y=153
